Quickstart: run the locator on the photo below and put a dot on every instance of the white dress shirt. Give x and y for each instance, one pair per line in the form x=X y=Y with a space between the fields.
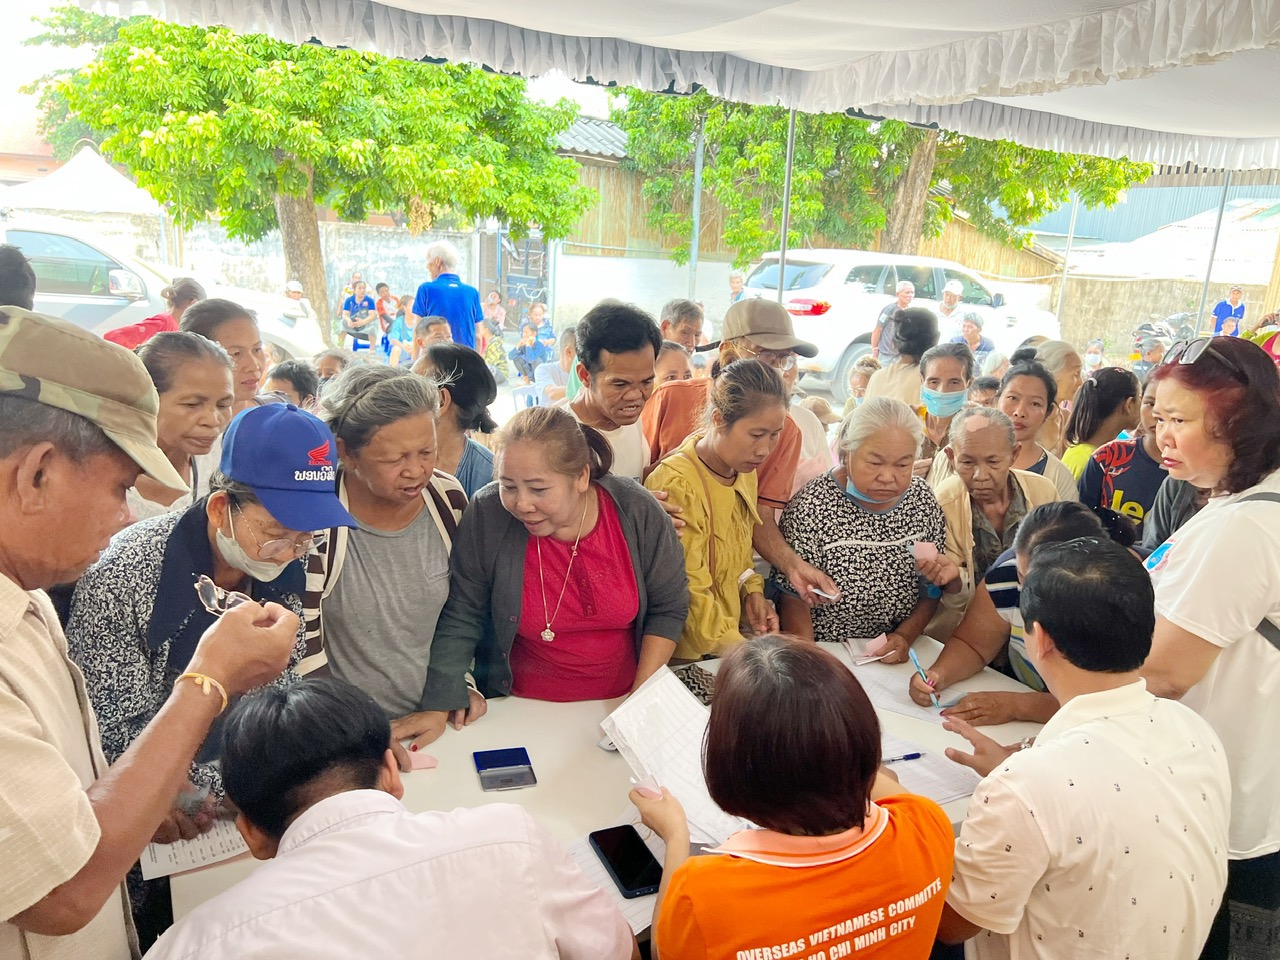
x=1108 y=838
x=358 y=875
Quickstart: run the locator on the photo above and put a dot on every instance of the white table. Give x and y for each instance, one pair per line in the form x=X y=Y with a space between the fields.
x=581 y=787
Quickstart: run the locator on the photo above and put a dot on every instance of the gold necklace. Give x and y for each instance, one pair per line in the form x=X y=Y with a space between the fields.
x=548 y=634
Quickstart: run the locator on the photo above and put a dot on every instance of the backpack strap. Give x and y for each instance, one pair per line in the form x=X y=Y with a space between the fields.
x=1270 y=632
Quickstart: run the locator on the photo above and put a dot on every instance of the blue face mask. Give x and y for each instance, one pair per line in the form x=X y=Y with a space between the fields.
x=941 y=404
x=857 y=496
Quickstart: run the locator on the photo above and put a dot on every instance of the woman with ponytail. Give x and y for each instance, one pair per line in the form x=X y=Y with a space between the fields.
x=566 y=581
x=712 y=477
x=1107 y=402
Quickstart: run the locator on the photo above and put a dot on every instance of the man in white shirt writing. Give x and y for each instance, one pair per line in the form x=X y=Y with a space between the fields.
x=352 y=873
x=1108 y=836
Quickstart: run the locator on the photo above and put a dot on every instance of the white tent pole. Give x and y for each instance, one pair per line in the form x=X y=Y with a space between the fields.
x=786 y=201
x=699 y=143
x=1213 y=252
x=1066 y=256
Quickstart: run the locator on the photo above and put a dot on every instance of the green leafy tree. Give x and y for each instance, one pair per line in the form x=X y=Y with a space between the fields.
x=68 y=26
x=258 y=131
x=853 y=179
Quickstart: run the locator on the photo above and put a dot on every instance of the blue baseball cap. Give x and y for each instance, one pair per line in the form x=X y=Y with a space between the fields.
x=286 y=456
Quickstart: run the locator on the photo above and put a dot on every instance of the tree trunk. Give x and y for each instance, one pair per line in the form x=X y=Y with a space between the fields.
x=303 y=258
x=905 y=227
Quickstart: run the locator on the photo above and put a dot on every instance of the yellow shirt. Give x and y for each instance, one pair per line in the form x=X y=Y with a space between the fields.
x=727 y=521
x=1077 y=458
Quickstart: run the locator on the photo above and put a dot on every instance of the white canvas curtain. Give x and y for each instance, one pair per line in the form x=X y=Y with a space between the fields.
x=1170 y=81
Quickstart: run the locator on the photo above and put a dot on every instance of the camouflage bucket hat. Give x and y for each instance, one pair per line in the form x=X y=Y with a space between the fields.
x=52 y=361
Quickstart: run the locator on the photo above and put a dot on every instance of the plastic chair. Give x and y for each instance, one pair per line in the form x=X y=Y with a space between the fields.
x=527 y=395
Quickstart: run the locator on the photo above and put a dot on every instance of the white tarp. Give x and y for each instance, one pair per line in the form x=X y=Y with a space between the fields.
x=1171 y=81
x=85 y=183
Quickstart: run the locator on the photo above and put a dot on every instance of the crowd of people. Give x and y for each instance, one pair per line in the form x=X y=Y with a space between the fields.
x=266 y=579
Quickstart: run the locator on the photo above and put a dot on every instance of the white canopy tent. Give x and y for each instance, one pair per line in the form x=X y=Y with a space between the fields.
x=87 y=184
x=1168 y=81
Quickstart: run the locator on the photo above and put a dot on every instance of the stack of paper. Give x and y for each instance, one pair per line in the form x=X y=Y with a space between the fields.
x=932 y=776
x=659 y=731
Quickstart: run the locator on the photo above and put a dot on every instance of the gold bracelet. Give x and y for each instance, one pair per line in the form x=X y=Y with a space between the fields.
x=206 y=684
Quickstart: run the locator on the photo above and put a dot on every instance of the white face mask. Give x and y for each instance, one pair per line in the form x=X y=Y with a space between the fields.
x=264 y=571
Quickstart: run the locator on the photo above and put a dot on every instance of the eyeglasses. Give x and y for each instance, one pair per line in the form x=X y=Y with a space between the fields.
x=1186 y=352
x=275 y=549
x=778 y=359
x=216 y=600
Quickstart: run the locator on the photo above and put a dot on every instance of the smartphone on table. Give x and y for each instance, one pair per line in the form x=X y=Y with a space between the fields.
x=630 y=863
x=504 y=769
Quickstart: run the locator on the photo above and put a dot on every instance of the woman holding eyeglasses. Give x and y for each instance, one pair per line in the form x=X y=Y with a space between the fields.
x=136 y=615
x=375 y=592
x=1217 y=585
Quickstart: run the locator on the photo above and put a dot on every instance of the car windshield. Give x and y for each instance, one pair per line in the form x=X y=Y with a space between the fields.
x=798 y=276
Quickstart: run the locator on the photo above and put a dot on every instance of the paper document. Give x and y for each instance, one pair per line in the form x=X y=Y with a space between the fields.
x=886 y=686
x=639 y=910
x=165 y=859
x=933 y=775
x=659 y=731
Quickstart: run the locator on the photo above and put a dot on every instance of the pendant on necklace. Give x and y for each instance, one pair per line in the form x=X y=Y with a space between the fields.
x=548 y=634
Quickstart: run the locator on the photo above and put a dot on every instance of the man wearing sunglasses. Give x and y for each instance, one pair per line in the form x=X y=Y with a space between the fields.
x=77 y=427
x=137 y=615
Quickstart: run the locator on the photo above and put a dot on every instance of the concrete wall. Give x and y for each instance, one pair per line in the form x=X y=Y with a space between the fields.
x=138 y=236
x=582 y=281
x=1111 y=308
x=380 y=254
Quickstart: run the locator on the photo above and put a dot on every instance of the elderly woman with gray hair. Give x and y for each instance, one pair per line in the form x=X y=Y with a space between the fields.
x=374 y=592
x=876 y=530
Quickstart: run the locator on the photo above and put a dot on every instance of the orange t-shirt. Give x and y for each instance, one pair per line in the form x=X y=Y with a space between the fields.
x=675 y=411
x=876 y=892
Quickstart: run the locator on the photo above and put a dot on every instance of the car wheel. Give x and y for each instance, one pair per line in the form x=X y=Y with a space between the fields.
x=840 y=382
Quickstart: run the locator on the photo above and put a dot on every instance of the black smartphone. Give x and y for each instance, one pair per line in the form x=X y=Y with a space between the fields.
x=631 y=864
x=504 y=769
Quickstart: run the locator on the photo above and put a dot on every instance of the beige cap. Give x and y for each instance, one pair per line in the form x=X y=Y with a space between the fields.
x=820 y=407
x=55 y=362
x=768 y=325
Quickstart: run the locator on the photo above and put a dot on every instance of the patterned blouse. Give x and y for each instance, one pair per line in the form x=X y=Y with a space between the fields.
x=867 y=554
x=135 y=621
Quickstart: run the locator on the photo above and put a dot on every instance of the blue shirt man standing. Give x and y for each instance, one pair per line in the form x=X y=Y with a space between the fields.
x=445 y=295
x=1228 y=313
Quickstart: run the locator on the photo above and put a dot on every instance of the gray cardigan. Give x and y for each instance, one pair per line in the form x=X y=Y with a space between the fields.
x=479 y=619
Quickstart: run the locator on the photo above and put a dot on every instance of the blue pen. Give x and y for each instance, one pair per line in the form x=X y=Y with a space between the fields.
x=905 y=756
x=923 y=676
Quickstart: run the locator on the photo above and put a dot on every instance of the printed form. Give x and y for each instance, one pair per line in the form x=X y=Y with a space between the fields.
x=659 y=732
x=165 y=859
x=931 y=775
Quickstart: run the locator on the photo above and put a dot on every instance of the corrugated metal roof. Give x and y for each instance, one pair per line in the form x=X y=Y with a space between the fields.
x=595 y=138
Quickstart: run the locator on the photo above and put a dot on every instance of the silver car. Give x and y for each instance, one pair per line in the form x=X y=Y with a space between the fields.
x=835 y=296
x=82 y=278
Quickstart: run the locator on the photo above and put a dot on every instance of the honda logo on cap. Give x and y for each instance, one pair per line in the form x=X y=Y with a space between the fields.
x=319 y=457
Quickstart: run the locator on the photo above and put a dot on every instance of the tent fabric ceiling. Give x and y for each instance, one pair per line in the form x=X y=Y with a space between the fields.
x=1170 y=81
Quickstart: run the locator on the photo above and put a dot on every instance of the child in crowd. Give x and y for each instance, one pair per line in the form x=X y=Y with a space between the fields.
x=859 y=377
x=673 y=363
